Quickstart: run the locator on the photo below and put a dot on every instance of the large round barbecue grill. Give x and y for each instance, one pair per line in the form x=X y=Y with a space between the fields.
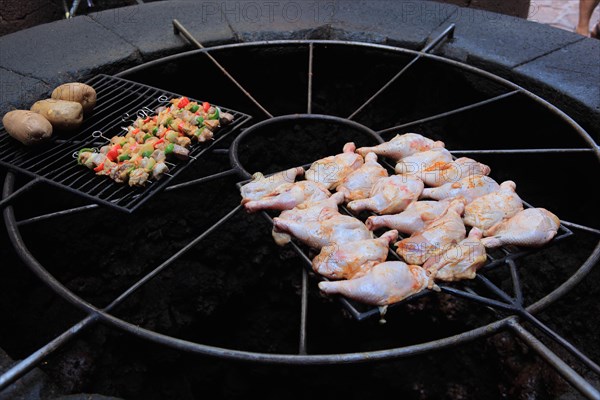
x=383 y=90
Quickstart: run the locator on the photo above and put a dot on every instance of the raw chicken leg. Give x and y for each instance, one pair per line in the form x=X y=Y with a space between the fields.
x=354 y=259
x=453 y=171
x=487 y=210
x=390 y=195
x=419 y=164
x=458 y=262
x=288 y=196
x=331 y=228
x=411 y=220
x=437 y=236
x=532 y=227
x=331 y=170
x=357 y=185
x=401 y=146
x=262 y=186
x=307 y=212
x=384 y=284
x=470 y=188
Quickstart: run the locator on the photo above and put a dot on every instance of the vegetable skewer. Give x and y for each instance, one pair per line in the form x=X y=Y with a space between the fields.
x=142 y=152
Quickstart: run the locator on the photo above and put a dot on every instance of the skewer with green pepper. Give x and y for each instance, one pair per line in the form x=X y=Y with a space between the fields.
x=141 y=153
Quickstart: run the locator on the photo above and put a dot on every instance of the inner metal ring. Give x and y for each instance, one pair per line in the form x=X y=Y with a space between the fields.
x=105 y=316
x=234 y=151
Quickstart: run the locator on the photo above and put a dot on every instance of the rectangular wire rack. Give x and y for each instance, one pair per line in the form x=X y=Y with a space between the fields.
x=118 y=103
x=495 y=258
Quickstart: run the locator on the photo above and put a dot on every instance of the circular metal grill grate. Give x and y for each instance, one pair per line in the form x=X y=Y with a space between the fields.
x=507 y=308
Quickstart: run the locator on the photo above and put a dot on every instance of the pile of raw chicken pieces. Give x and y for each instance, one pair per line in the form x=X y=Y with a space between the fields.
x=433 y=199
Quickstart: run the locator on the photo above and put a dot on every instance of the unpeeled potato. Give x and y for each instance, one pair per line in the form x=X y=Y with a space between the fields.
x=78 y=92
x=27 y=126
x=63 y=115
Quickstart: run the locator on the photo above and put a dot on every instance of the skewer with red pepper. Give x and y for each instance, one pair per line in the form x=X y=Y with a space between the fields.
x=149 y=141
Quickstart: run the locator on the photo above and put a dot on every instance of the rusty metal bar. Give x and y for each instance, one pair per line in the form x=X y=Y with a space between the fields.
x=447 y=33
x=303 y=312
x=449 y=113
x=311 y=49
x=561 y=367
x=180 y=29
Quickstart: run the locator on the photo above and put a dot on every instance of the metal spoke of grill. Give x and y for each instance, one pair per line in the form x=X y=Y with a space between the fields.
x=26 y=365
x=514 y=275
x=302 y=337
x=311 y=52
x=171 y=259
x=562 y=367
x=204 y=179
x=23 y=189
x=343 y=301
x=518 y=309
x=180 y=29
x=563 y=342
x=524 y=151
x=304 y=288
x=448 y=33
x=89 y=207
x=303 y=312
x=449 y=113
x=571 y=224
x=565 y=370
x=548 y=355
x=56 y=214
x=472 y=296
x=582 y=227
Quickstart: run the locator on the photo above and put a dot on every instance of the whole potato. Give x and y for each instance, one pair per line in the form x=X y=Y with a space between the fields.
x=79 y=92
x=63 y=115
x=27 y=127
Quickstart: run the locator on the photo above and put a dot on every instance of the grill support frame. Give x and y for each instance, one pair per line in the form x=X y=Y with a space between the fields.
x=96 y=315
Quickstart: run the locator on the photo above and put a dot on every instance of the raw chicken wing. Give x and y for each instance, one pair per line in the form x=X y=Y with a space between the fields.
x=437 y=236
x=390 y=195
x=358 y=184
x=411 y=220
x=262 y=186
x=458 y=262
x=401 y=146
x=289 y=195
x=308 y=211
x=331 y=170
x=532 y=227
x=487 y=210
x=353 y=259
x=470 y=188
x=384 y=284
x=331 y=228
x=454 y=171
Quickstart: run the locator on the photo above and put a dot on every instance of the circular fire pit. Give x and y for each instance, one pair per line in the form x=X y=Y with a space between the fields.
x=465 y=100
